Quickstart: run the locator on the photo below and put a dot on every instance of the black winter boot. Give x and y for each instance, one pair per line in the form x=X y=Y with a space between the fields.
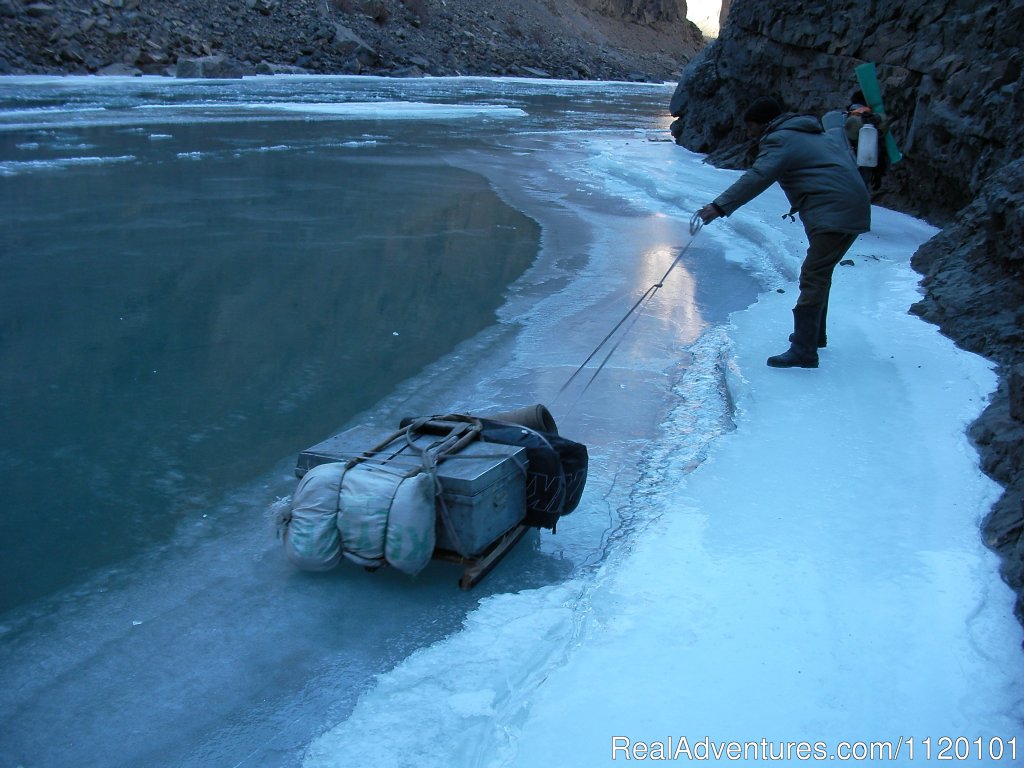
x=822 y=336
x=803 y=351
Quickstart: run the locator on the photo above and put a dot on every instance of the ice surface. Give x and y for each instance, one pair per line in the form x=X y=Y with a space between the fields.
x=377 y=110
x=400 y=110
x=208 y=649
x=820 y=577
x=62 y=103
x=14 y=168
x=758 y=553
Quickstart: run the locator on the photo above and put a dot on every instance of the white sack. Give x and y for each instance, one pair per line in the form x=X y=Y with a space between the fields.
x=365 y=500
x=311 y=540
x=409 y=542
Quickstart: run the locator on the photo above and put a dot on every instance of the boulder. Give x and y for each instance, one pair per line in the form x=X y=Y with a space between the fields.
x=218 y=67
x=533 y=72
x=348 y=44
x=266 y=7
x=273 y=68
x=119 y=70
x=38 y=10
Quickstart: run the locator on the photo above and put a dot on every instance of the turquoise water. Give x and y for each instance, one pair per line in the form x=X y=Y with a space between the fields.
x=174 y=324
x=201 y=279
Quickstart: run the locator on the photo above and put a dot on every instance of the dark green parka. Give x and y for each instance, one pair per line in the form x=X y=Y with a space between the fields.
x=817 y=173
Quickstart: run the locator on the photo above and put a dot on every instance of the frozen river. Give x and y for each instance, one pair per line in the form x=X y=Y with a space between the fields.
x=203 y=278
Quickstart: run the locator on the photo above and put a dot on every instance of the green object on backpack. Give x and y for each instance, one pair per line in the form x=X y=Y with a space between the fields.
x=867 y=76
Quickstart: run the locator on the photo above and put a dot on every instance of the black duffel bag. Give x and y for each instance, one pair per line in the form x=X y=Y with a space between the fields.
x=556 y=469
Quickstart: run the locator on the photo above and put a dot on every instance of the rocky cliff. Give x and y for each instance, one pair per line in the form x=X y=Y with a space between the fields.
x=951 y=74
x=588 y=39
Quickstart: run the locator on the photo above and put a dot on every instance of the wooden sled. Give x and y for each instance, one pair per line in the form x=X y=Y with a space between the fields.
x=474 y=569
x=483 y=497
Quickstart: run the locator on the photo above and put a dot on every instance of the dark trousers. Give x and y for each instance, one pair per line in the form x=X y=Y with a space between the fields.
x=825 y=250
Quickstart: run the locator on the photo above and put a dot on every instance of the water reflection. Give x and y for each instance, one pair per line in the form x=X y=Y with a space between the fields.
x=171 y=329
x=677 y=313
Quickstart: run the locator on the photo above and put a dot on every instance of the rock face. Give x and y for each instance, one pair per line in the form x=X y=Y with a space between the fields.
x=950 y=72
x=951 y=75
x=646 y=11
x=612 y=39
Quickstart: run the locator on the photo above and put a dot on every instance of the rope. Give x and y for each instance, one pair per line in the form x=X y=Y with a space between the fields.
x=457 y=438
x=462 y=431
x=695 y=226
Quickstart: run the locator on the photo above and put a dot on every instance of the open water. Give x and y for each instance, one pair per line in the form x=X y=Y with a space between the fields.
x=199 y=280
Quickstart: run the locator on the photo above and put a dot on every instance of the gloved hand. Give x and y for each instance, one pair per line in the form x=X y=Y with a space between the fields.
x=709 y=213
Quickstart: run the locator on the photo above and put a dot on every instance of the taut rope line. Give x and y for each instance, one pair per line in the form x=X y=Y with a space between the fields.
x=695 y=226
